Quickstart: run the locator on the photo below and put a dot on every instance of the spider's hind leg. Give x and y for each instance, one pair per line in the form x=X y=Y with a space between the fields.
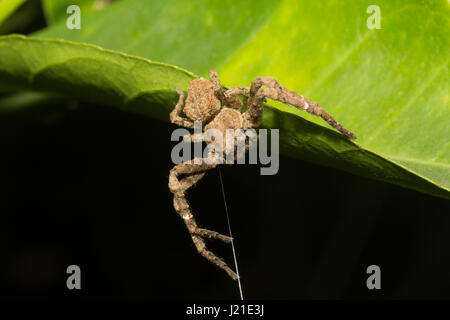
x=194 y=172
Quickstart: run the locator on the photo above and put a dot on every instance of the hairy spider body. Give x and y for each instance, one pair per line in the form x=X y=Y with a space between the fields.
x=201 y=103
x=218 y=109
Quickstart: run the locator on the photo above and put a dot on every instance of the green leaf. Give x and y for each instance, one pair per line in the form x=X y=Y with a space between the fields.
x=196 y=35
x=138 y=85
x=388 y=86
x=7 y=7
x=90 y=73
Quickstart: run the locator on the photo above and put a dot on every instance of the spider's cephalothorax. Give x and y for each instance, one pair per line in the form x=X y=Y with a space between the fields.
x=215 y=108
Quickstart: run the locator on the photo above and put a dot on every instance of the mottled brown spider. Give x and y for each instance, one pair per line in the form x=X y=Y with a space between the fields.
x=215 y=108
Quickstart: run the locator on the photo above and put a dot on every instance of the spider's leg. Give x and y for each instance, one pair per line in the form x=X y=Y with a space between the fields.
x=227 y=100
x=237 y=91
x=189 y=181
x=194 y=172
x=175 y=114
x=276 y=91
x=201 y=248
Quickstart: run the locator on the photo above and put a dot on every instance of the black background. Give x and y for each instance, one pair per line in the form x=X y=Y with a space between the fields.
x=90 y=188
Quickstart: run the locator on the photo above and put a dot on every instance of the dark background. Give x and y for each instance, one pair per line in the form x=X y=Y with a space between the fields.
x=89 y=187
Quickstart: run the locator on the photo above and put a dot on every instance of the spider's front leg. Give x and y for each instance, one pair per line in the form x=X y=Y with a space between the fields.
x=276 y=91
x=175 y=114
x=227 y=100
x=194 y=172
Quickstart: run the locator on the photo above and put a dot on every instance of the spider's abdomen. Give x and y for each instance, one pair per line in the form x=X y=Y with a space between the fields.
x=226 y=119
